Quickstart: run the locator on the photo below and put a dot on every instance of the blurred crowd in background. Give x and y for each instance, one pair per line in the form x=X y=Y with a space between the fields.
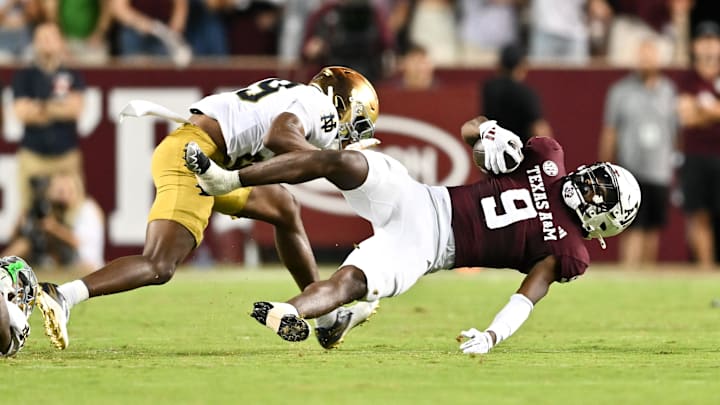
x=373 y=35
x=647 y=115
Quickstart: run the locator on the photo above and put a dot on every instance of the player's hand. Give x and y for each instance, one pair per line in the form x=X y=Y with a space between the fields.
x=477 y=343
x=497 y=142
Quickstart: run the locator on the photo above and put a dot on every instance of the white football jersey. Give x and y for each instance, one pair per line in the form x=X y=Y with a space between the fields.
x=245 y=116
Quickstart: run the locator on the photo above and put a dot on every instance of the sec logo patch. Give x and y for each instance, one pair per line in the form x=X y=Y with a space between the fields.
x=550 y=168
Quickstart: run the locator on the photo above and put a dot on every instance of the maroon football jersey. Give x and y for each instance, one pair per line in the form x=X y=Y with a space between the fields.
x=515 y=220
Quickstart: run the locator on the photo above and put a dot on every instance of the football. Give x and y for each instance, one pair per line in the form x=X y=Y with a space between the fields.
x=478 y=151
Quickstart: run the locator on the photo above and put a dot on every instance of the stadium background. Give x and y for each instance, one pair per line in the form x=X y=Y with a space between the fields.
x=421 y=128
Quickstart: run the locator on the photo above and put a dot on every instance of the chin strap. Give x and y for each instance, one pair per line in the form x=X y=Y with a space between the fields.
x=602 y=242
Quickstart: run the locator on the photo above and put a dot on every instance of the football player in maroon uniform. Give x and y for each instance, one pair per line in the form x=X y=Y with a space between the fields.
x=531 y=216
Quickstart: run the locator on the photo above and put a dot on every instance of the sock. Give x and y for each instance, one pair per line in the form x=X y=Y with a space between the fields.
x=218 y=181
x=75 y=292
x=327 y=320
x=275 y=315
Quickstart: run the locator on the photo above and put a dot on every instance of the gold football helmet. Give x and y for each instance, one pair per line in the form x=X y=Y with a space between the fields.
x=354 y=98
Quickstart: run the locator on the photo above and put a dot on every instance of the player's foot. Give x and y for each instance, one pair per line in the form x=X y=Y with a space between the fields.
x=195 y=159
x=347 y=318
x=276 y=316
x=56 y=313
x=212 y=179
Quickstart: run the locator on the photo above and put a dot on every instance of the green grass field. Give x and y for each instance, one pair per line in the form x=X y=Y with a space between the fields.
x=607 y=338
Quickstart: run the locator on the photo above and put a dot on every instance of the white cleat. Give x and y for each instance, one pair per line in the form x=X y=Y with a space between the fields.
x=56 y=313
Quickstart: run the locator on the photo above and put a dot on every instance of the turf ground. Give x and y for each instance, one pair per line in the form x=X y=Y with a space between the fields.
x=609 y=337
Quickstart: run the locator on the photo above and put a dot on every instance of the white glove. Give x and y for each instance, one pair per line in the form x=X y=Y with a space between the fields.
x=497 y=141
x=477 y=343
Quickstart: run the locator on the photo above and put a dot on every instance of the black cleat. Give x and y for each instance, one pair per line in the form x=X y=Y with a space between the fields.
x=260 y=311
x=195 y=159
x=290 y=327
x=331 y=337
x=347 y=318
x=293 y=328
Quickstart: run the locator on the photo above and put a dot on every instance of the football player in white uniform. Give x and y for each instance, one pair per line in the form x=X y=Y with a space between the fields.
x=235 y=129
x=18 y=289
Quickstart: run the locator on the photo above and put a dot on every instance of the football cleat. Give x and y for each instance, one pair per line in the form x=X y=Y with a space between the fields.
x=212 y=179
x=195 y=159
x=289 y=326
x=56 y=313
x=347 y=318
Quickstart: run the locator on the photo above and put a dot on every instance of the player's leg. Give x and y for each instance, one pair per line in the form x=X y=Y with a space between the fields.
x=286 y=318
x=345 y=286
x=167 y=243
x=275 y=205
x=176 y=223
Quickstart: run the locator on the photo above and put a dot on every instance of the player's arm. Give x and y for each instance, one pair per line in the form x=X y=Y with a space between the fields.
x=286 y=134
x=533 y=288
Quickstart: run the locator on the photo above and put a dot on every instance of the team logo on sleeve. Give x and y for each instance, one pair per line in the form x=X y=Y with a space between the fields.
x=550 y=168
x=329 y=122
